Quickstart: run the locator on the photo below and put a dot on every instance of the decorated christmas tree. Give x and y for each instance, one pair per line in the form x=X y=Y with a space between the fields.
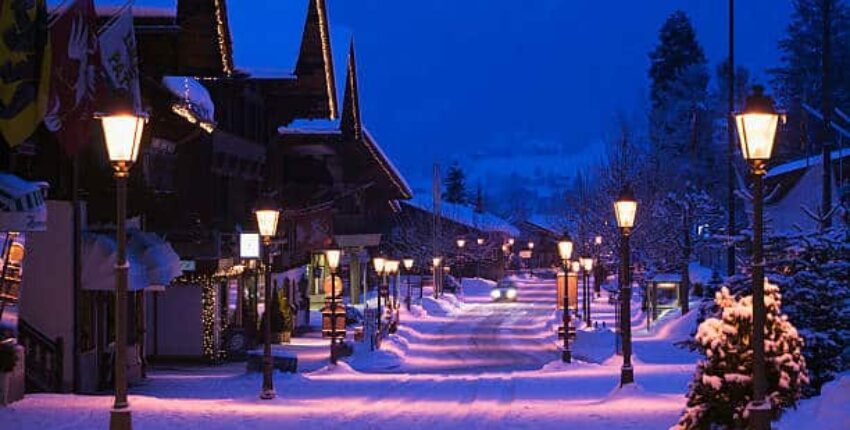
x=722 y=386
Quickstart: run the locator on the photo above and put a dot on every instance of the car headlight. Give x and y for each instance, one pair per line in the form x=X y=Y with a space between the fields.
x=510 y=293
x=495 y=294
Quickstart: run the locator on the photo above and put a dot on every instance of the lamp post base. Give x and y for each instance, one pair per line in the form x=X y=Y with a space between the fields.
x=268 y=394
x=120 y=419
x=627 y=375
x=759 y=415
x=566 y=356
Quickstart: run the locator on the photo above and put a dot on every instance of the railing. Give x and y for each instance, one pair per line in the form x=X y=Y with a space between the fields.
x=43 y=359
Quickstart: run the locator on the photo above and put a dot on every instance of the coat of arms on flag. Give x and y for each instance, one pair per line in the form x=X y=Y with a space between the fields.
x=120 y=63
x=74 y=77
x=24 y=68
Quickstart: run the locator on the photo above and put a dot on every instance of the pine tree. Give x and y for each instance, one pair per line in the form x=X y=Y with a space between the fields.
x=479 y=199
x=456 y=185
x=798 y=80
x=722 y=386
x=676 y=52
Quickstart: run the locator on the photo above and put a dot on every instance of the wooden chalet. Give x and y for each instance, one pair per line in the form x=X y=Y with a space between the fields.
x=212 y=146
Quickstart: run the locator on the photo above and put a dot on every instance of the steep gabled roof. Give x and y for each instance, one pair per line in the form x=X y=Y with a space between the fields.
x=278 y=26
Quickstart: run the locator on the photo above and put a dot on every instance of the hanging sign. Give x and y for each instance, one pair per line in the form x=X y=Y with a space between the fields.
x=249 y=245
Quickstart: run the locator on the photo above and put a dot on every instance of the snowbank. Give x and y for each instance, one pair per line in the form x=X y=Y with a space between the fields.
x=829 y=411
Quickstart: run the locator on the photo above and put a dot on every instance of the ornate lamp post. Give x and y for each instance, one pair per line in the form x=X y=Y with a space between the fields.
x=391 y=267
x=461 y=243
x=597 y=276
x=587 y=265
x=408 y=266
x=625 y=208
x=267 y=220
x=480 y=242
x=565 y=251
x=123 y=136
x=435 y=262
x=757 y=132
x=379 y=263
x=332 y=256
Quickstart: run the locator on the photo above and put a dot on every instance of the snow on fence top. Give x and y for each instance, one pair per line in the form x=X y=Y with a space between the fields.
x=804 y=163
x=465 y=215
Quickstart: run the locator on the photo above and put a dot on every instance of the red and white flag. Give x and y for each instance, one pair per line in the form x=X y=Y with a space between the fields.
x=74 y=77
x=119 y=59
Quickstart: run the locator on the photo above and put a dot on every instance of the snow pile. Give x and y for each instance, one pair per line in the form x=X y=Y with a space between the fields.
x=443 y=306
x=476 y=285
x=825 y=412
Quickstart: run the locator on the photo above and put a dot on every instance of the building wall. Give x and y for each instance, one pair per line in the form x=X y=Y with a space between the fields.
x=47 y=290
x=177 y=323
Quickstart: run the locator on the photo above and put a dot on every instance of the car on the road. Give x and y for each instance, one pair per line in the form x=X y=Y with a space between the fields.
x=504 y=291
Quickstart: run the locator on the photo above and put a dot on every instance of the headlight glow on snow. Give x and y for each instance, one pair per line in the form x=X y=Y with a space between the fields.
x=495 y=294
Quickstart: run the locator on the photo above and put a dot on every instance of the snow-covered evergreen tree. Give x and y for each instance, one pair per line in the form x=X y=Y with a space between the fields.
x=722 y=386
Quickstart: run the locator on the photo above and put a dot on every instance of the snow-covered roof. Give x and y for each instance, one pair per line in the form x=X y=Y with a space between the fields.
x=667 y=278
x=552 y=223
x=386 y=163
x=310 y=126
x=196 y=102
x=277 y=26
x=464 y=215
x=804 y=163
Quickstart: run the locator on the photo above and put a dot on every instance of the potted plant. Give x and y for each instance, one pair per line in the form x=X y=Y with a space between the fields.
x=11 y=376
x=276 y=316
x=286 y=319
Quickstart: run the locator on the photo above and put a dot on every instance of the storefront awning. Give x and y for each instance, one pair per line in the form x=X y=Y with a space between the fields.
x=152 y=261
x=22 y=205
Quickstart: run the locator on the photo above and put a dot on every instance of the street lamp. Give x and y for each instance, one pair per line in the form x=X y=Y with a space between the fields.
x=757 y=132
x=625 y=209
x=479 y=241
x=380 y=265
x=597 y=240
x=408 y=265
x=267 y=219
x=123 y=136
x=511 y=241
x=461 y=242
x=391 y=267
x=435 y=262
x=587 y=265
x=565 y=251
x=332 y=256
x=597 y=277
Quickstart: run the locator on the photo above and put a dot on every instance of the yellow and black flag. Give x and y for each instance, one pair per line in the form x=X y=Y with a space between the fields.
x=24 y=68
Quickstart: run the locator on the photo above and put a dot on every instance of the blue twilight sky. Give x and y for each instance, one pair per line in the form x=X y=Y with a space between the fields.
x=451 y=79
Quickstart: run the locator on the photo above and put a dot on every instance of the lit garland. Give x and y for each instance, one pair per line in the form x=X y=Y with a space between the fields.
x=208 y=285
x=326 y=54
x=223 y=37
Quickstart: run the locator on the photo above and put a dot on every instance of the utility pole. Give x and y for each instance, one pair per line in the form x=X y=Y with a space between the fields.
x=730 y=156
x=826 y=108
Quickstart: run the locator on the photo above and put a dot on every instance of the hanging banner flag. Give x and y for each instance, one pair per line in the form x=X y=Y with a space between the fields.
x=24 y=68
x=74 y=78
x=120 y=64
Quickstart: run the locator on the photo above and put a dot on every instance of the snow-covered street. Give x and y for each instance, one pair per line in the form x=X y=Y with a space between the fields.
x=454 y=364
